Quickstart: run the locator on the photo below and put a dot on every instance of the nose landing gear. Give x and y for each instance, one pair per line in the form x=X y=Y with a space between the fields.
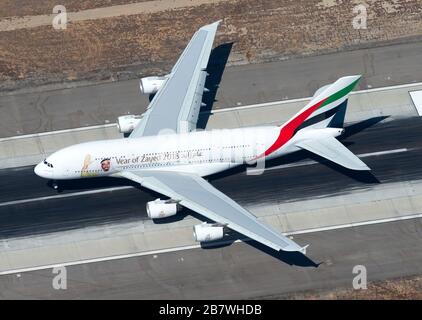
x=54 y=184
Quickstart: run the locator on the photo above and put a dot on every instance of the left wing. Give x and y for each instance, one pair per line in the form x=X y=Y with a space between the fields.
x=176 y=105
x=195 y=193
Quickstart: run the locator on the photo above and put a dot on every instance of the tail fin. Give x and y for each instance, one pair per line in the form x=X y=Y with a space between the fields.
x=327 y=107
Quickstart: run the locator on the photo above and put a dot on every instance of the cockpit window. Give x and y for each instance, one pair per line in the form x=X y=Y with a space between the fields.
x=47 y=163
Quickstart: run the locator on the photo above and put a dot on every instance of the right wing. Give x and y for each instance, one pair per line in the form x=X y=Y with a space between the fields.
x=333 y=150
x=176 y=105
x=195 y=193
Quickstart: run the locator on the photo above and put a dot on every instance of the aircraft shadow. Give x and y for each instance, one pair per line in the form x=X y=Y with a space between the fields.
x=216 y=65
x=151 y=96
x=361 y=125
x=92 y=183
x=360 y=176
x=290 y=258
x=181 y=215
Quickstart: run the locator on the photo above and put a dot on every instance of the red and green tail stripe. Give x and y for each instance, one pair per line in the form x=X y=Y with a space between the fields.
x=289 y=129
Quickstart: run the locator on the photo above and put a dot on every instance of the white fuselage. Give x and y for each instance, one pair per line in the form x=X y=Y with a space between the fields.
x=200 y=152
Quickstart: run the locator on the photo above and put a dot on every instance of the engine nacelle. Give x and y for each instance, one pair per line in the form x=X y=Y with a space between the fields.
x=127 y=123
x=150 y=85
x=207 y=232
x=161 y=209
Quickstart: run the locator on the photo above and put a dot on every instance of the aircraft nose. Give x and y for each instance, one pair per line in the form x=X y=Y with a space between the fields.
x=37 y=169
x=42 y=171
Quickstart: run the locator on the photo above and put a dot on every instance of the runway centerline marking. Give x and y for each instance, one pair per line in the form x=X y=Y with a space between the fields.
x=89 y=192
x=66 y=195
x=197 y=246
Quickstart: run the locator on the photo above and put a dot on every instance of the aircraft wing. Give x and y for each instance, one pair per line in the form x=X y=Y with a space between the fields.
x=197 y=194
x=333 y=150
x=176 y=104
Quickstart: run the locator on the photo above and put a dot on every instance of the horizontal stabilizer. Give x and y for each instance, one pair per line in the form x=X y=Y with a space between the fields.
x=330 y=148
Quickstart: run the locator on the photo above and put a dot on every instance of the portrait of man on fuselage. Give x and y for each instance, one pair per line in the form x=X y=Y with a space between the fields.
x=88 y=171
x=105 y=164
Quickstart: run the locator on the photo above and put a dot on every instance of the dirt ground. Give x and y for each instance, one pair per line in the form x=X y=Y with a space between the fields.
x=397 y=289
x=147 y=44
x=19 y=8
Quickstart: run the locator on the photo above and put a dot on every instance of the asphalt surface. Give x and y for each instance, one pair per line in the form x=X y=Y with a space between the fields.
x=273 y=187
x=238 y=271
x=239 y=85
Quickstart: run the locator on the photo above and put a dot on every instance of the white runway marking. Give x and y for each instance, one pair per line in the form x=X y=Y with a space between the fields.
x=274 y=103
x=197 y=246
x=33 y=135
x=417 y=100
x=66 y=195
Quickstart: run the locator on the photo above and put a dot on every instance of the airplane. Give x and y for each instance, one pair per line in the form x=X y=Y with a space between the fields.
x=165 y=153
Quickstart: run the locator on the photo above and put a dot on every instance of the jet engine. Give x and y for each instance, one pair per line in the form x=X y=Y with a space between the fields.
x=127 y=123
x=161 y=209
x=151 y=85
x=207 y=232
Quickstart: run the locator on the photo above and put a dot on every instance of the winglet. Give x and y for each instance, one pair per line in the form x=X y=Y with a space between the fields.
x=303 y=249
x=212 y=26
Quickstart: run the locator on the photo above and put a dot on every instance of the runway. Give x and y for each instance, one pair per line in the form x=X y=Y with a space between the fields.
x=46 y=109
x=392 y=149
x=239 y=271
